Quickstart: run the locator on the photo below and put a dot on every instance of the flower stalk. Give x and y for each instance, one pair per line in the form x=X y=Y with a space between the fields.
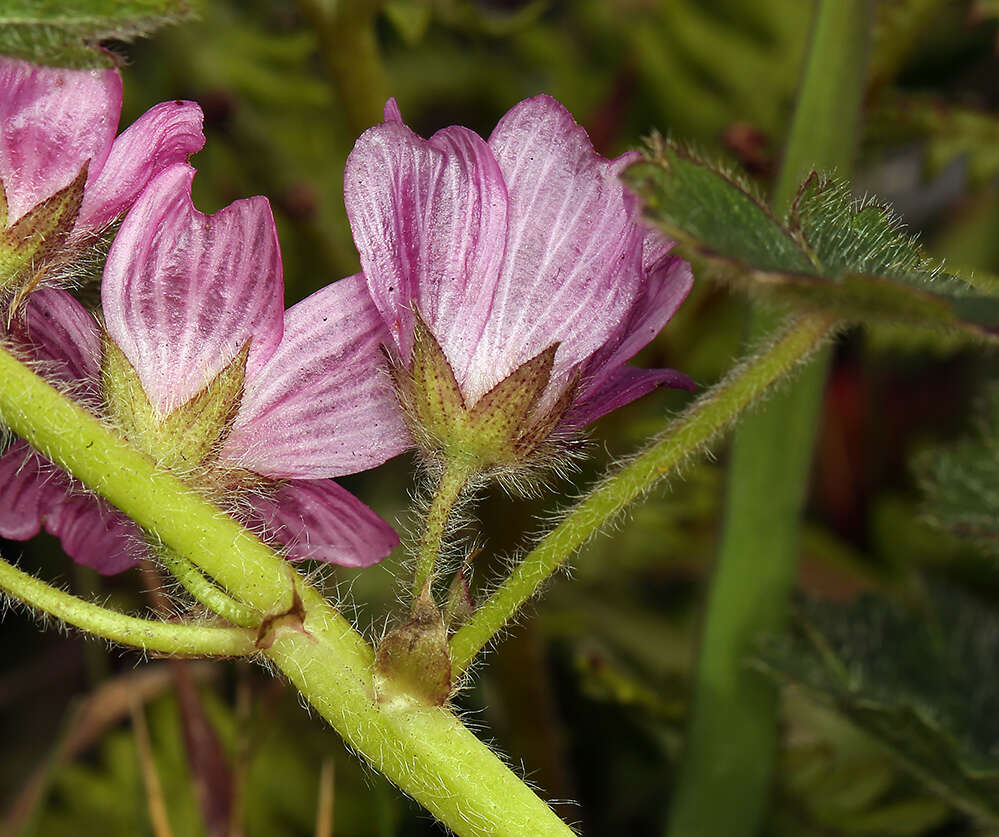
x=426 y=751
x=732 y=742
x=146 y=634
x=207 y=593
x=702 y=422
x=453 y=480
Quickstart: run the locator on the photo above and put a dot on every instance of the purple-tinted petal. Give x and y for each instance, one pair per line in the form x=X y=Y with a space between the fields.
x=320 y=520
x=322 y=405
x=622 y=386
x=392 y=112
x=52 y=121
x=429 y=221
x=95 y=534
x=61 y=335
x=35 y=493
x=668 y=281
x=29 y=487
x=183 y=292
x=572 y=265
x=164 y=135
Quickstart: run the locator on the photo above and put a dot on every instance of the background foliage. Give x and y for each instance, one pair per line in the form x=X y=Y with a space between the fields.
x=888 y=669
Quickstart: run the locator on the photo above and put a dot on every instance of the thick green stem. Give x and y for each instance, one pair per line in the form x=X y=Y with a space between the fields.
x=348 y=46
x=725 y=778
x=453 y=479
x=160 y=637
x=427 y=752
x=702 y=422
x=207 y=593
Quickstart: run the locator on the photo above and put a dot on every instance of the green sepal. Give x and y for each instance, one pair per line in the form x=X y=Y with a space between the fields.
x=27 y=246
x=188 y=437
x=503 y=428
x=459 y=604
x=430 y=390
x=413 y=662
x=503 y=416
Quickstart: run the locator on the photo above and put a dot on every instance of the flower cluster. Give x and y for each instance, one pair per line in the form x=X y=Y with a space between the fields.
x=508 y=281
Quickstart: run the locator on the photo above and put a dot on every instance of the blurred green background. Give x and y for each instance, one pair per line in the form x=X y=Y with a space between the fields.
x=588 y=695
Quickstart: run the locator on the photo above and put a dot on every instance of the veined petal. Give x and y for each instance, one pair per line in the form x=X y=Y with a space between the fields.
x=35 y=493
x=607 y=382
x=322 y=405
x=52 y=121
x=572 y=264
x=164 y=135
x=429 y=221
x=183 y=292
x=622 y=386
x=59 y=333
x=28 y=489
x=318 y=519
x=668 y=281
x=94 y=533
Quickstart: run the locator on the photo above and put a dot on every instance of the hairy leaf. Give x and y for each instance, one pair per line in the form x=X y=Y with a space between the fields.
x=831 y=252
x=918 y=679
x=68 y=33
x=961 y=481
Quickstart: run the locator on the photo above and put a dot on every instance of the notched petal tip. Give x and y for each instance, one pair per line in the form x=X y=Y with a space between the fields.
x=183 y=292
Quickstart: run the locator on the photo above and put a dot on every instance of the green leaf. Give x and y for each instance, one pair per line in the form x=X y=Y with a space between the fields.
x=920 y=680
x=68 y=33
x=961 y=481
x=831 y=253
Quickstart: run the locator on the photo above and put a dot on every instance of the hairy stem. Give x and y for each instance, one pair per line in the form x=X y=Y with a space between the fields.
x=725 y=777
x=207 y=593
x=702 y=422
x=426 y=751
x=147 y=634
x=348 y=46
x=453 y=479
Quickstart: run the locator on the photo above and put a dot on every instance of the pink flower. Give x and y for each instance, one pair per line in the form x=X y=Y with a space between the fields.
x=201 y=367
x=57 y=126
x=508 y=248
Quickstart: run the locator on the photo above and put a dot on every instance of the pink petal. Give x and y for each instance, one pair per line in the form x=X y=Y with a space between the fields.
x=322 y=405
x=429 y=220
x=183 y=292
x=573 y=250
x=97 y=535
x=164 y=135
x=29 y=487
x=622 y=386
x=667 y=284
x=61 y=335
x=52 y=121
x=608 y=383
x=318 y=519
x=35 y=493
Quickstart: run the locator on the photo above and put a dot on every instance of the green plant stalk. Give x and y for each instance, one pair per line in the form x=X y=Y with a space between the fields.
x=426 y=751
x=725 y=778
x=696 y=427
x=146 y=634
x=453 y=478
x=348 y=46
x=207 y=593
